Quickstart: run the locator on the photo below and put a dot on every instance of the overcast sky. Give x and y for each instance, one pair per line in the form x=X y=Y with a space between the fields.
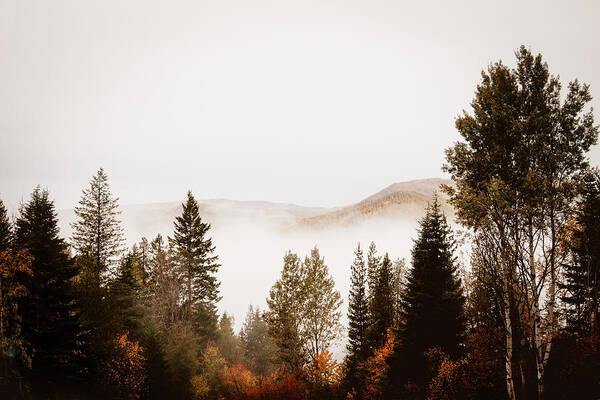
x=313 y=102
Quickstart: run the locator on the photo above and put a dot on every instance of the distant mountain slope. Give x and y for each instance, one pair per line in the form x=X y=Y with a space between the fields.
x=403 y=200
x=423 y=186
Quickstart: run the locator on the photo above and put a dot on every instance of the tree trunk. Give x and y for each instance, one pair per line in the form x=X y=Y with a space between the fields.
x=510 y=387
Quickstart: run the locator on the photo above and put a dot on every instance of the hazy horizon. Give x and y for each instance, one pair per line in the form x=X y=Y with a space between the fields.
x=316 y=103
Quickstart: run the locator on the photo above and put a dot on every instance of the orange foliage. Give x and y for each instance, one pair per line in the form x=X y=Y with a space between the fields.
x=377 y=367
x=479 y=375
x=280 y=385
x=12 y=264
x=236 y=381
x=325 y=370
x=126 y=370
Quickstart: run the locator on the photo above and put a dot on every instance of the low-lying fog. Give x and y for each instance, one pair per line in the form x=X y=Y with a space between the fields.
x=251 y=239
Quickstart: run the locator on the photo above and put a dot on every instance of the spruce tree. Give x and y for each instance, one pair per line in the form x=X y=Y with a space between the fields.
x=381 y=307
x=194 y=254
x=51 y=317
x=97 y=233
x=5 y=229
x=432 y=304
x=358 y=323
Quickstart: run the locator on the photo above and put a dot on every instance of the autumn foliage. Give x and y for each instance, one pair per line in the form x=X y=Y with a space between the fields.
x=126 y=370
x=12 y=264
x=377 y=368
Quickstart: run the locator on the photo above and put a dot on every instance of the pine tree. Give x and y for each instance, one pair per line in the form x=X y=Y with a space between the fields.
x=51 y=317
x=5 y=229
x=432 y=303
x=358 y=323
x=97 y=234
x=381 y=307
x=193 y=251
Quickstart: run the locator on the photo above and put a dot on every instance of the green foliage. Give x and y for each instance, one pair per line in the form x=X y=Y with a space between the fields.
x=432 y=303
x=193 y=254
x=51 y=316
x=582 y=276
x=97 y=233
x=227 y=341
x=303 y=316
x=321 y=313
x=358 y=323
x=381 y=306
x=124 y=297
x=5 y=229
x=373 y=265
x=256 y=344
x=284 y=316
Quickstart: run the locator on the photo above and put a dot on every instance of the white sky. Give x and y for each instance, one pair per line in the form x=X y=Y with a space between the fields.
x=315 y=102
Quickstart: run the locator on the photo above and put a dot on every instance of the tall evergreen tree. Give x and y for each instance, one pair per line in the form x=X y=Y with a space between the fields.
x=381 y=307
x=373 y=264
x=193 y=250
x=51 y=317
x=358 y=323
x=5 y=229
x=432 y=303
x=582 y=275
x=97 y=233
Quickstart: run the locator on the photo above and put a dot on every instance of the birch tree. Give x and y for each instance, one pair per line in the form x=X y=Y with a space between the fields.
x=516 y=173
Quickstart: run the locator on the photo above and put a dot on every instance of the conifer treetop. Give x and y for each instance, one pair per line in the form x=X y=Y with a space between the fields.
x=98 y=233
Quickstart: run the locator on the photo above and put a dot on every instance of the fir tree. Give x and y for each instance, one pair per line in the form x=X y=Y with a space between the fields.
x=432 y=303
x=381 y=307
x=193 y=251
x=97 y=234
x=5 y=229
x=51 y=317
x=358 y=323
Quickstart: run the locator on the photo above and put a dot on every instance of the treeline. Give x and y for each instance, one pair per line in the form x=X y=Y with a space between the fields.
x=88 y=318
